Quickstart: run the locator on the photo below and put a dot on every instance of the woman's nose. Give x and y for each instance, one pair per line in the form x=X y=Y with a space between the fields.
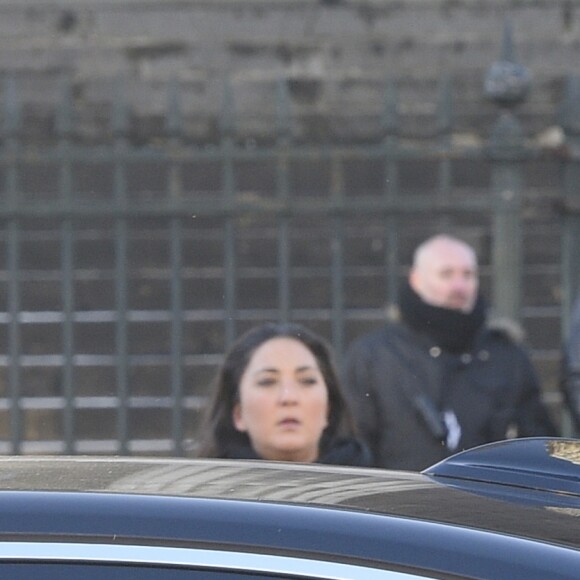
x=288 y=391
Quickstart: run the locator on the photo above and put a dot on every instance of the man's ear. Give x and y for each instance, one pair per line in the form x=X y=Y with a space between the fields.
x=237 y=418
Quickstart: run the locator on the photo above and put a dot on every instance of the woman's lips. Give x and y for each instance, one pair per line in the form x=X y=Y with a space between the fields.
x=289 y=422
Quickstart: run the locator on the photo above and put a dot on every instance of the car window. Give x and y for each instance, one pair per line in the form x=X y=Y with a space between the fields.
x=58 y=571
x=98 y=561
x=37 y=571
x=27 y=571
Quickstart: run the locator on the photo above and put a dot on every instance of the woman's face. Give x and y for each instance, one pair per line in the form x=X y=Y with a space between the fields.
x=283 y=401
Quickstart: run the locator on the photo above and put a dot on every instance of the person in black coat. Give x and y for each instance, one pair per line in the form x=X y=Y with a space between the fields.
x=278 y=397
x=439 y=377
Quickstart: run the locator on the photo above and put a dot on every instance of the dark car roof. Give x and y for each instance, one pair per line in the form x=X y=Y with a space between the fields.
x=455 y=492
x=458 y=520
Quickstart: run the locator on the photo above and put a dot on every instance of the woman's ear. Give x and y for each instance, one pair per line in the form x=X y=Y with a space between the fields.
x=237 y=418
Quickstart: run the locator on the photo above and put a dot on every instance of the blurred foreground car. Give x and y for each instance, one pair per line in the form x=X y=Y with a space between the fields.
x=505 y=510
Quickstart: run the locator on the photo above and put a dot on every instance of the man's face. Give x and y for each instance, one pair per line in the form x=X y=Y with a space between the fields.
x=445 y=275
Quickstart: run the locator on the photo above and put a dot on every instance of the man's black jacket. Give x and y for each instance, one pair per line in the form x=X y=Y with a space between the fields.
x=399 y=381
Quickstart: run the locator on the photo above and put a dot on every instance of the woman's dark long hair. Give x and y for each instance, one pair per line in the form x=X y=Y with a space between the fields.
x=219 y=434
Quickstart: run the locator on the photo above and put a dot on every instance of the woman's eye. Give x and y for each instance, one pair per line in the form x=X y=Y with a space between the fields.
x=308 y=381
x=266 y=382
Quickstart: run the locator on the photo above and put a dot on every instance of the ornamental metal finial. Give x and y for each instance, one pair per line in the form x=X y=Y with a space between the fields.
x=507 y=83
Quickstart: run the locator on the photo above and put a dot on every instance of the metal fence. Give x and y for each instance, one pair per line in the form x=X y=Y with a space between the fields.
x=127 y=268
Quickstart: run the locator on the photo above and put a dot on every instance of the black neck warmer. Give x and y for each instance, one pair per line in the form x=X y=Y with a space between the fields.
x=342 y=451
x=452 y=330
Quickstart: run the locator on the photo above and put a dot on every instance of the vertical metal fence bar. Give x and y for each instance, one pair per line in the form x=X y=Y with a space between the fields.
x=120 y=148
x=506 y=149
x=14 y=343
x=507 y=84
x=390 y=124
x=229 y=197
x=64 y=128
x=337 y=254
x=174 y=129
x=570 y=260
x=444 y=128
x=282 y=191
x=176 y=233
x=12 y=125
x=570 y=121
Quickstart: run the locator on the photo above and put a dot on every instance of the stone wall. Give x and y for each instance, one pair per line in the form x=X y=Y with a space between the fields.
x=336 y=54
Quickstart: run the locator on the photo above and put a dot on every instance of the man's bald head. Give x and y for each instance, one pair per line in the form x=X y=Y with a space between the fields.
x=444 y=273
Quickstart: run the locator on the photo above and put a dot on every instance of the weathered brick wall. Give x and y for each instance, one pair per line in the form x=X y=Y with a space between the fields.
x=337 y=53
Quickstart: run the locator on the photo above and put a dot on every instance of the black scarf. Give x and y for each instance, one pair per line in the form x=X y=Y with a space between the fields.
x=452 y=330
x=343 y=451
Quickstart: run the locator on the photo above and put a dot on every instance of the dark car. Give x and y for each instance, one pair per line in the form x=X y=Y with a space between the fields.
x=504 y=510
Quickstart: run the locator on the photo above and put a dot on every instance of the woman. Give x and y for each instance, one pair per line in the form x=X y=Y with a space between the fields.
x=277 y=397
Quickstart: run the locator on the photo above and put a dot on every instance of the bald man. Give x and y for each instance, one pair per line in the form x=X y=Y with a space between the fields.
x=439 y=377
